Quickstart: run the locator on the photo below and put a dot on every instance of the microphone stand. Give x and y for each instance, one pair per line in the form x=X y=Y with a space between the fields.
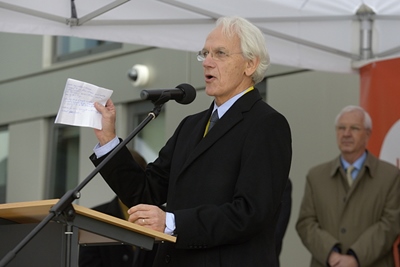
x=64 y=206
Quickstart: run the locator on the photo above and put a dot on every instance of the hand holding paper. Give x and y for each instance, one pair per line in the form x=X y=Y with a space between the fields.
x=77 y=105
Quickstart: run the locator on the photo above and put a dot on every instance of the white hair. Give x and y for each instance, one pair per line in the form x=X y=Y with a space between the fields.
x=347 y=109
x=252 y=42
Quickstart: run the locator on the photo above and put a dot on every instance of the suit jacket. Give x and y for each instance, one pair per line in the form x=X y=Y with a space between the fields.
x=114 y=255
x=224 y=189
x=364 y=218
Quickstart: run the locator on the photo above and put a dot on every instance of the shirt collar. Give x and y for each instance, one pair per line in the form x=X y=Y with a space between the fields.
x=357 y=164
x=228 y=104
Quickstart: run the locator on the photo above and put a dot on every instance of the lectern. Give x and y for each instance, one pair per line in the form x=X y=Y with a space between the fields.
x=58 y=242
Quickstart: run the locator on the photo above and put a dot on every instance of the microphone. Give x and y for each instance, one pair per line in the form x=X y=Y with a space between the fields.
x=183 y=94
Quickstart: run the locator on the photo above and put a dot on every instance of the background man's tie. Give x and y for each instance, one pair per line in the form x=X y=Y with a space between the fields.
x=348 y=173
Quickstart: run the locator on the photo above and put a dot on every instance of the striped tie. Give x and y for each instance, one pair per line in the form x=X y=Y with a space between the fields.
x=213 y=120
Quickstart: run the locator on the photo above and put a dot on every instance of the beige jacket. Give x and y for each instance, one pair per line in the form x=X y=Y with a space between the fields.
x=364 y=218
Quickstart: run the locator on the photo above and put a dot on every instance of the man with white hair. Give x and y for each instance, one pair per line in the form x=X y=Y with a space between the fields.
x=350 y=213
x=223 y=184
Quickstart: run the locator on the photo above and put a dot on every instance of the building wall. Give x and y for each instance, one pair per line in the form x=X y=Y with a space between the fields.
x=31 y=93
x=310 y=101
x=26 y=179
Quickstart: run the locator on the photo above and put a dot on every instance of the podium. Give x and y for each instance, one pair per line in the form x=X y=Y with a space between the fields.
x=58 y=242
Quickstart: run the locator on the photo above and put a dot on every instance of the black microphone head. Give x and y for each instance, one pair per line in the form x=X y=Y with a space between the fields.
x=189 y=94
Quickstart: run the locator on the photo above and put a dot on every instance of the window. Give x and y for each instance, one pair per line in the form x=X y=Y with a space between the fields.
x=3 y=163
x=63 y=160
x=151 y=139
x=67 y=48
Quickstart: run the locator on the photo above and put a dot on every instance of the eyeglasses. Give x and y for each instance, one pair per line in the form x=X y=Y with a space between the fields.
x=353 y=128
x=216 y=55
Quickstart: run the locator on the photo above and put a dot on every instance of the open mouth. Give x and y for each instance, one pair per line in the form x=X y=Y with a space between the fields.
x=209 y=77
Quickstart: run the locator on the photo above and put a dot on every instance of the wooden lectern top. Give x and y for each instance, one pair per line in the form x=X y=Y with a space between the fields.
x=35 y=211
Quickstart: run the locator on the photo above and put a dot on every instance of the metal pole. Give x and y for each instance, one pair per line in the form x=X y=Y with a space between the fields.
x=366 y=17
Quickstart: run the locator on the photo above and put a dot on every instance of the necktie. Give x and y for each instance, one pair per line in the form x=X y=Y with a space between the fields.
x=348 y=174
x=213 y=120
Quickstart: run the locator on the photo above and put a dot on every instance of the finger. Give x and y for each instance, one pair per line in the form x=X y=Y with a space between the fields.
x=110 y=105
x=99 y=107
x=137 y=214
x=103 y=108
x=143 y=221
x=139 y=207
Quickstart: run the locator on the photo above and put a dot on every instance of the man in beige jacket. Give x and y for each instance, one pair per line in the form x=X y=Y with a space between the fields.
x=352 y=220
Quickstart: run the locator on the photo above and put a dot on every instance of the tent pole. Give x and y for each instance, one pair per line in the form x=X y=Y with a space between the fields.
x=73 y=10
x=365 y=16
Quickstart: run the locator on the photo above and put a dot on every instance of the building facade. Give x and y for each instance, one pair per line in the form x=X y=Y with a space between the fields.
x=40 y=159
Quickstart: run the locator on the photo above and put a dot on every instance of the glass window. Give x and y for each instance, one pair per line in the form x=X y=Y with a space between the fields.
x=66 y=48
x=3 y=163
x=63 y=160
x=151 y=139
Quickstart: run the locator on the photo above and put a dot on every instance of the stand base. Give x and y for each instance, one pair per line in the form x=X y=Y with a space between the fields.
x=47 y=249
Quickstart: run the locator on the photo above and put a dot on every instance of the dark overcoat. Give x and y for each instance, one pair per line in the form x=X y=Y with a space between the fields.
x=225 y=188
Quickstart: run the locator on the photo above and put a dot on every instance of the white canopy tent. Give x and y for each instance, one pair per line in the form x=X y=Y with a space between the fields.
x=325 y=35
x=314 y=34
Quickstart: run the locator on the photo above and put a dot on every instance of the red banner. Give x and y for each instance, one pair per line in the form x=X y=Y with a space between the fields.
x=380 y=97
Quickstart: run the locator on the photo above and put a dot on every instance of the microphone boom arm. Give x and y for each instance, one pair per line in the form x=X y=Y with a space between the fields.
x=64 y=205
